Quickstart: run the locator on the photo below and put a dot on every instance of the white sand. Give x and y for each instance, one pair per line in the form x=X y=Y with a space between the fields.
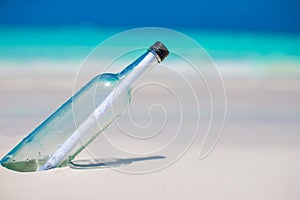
x=256 y=158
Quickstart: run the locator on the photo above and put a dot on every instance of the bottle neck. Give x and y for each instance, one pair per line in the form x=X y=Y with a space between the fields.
x=141 y=65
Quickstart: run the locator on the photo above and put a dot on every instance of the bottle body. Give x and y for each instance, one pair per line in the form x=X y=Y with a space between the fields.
x=81 y=119
x=34 y=150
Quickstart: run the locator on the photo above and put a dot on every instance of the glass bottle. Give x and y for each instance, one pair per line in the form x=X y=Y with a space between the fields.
x=74 y=125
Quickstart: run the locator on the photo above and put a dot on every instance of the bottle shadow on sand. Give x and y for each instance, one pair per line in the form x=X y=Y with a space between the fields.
x=98 y=163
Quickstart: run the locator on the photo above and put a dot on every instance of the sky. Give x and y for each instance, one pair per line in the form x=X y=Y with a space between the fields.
x=249 y=15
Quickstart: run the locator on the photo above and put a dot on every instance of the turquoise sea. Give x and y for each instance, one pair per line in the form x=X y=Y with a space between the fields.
x=29 y=43
x=54 y=42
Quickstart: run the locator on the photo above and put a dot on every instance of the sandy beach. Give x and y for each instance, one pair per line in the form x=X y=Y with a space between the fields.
x=257 y=156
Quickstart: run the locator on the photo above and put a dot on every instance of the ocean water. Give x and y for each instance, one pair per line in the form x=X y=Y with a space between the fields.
x=235 y=53
x=25 y=43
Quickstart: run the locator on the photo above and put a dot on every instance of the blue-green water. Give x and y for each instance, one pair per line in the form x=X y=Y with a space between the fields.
x=29 y=43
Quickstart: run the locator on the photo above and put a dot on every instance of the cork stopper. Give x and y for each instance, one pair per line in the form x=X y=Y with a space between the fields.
x=160 y=50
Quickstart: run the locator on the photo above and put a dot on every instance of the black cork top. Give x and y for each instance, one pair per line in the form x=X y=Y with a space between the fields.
x=160 y=49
